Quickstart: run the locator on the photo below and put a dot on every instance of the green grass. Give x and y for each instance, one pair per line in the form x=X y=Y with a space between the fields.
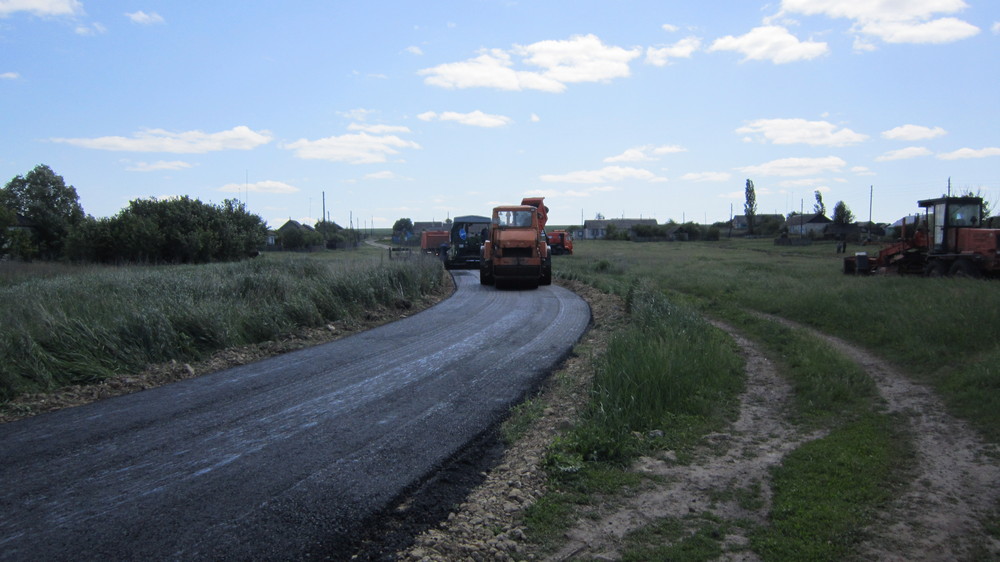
x=936 y=329
x=89 y=324
x=826 y=491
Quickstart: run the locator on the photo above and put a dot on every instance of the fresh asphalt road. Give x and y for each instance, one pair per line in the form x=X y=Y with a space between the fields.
x=283 y=458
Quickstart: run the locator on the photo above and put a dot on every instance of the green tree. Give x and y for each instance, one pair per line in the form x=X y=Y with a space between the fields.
x=8 y=218
x=181 y=230
x=750 y=207
x=43 y=197
x=820 y=207
x=402 y=225
x=842 y=214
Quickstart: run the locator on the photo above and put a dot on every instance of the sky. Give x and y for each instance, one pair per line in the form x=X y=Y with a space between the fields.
x=428 y=110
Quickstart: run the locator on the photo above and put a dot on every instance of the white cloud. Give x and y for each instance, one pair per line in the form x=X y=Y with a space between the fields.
x=996 y=28
x=142 y=18
x=913 y=132
x=904 y=154
x=188 y=142
x=535 y=118
x=862 y=171
x=800 y=131
x=9 y=76
x=475 y=118
x=683 y=49
x=645 y=153
x=360 y=148
x=771 y=42
x=669 y=28
x=414 y=50
x=41 y=7
x=707 y=176
x=944 y=30
x=796 y=166
x=267 y=186
x=604 y=175
x=378 y=129
x=582 y=58
x=357 y=114
x=860 y=45
x=970 y=153
x=893 y=21
x=90 y=29
x=158 y=166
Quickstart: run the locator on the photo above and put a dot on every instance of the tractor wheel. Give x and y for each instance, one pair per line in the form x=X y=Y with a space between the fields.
x=937 y=268
x=546 y=272
x=965 y=268
x=486 y=275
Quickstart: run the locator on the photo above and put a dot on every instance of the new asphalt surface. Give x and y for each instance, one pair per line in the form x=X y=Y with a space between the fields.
x=288 y=458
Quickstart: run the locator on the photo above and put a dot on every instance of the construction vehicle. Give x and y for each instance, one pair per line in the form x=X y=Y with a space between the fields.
x=517 y=250
x=434 y=241
x=466 y=240
x=948 y=240
x=560 y=242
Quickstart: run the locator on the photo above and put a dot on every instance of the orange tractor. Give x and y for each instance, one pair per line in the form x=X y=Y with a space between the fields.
x=949 y=240
x=516 y=250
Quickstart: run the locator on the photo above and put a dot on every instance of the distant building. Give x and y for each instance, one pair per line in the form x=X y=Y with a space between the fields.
x=806 y=225
x=596 y=229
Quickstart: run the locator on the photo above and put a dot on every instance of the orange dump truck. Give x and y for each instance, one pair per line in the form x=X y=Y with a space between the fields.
x=516 y=251
x=561 y=242
x=431 y=241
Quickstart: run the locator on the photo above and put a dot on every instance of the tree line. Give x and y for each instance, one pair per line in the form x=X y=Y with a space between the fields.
x=41 y=218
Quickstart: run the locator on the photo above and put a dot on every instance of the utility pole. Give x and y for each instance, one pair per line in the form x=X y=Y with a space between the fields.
x=871 y=195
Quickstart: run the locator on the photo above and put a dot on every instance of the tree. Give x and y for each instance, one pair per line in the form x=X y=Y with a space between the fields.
x=750 y=207
x=8 y=218
x=819 y=208
x=842 y=215
x=43 y=197
x=402 y=225
x=176 y=230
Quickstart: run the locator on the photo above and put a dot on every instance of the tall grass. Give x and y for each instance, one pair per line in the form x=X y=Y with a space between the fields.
x=93 y=324
x=670 y=372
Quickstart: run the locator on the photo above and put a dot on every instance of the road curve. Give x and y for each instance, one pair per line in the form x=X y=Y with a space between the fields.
x=283 y=458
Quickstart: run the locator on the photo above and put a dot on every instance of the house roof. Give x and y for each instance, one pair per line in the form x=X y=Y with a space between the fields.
x=815 y=218
x=293 y=224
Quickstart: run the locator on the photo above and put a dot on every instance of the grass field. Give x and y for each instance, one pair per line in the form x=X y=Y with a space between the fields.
x=935 y=330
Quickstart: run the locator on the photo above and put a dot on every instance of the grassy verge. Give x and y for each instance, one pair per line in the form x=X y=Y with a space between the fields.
x=97 y=323
x=663 y=382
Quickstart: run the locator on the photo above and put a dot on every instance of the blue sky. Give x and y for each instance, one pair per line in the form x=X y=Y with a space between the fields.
x=427 y=110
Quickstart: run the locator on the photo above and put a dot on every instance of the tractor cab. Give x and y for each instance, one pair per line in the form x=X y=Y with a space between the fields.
x=946 y=215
